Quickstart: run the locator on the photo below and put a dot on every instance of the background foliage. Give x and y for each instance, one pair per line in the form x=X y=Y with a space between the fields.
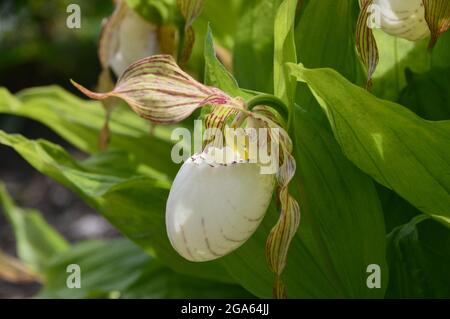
x=372 y=180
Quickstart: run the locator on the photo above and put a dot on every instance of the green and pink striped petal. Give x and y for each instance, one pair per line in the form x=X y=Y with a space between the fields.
x=157 y=89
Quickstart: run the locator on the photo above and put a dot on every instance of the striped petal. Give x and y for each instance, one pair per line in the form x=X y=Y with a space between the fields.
x=281 y=235
x=437 y=14
x=190 y=10
x=158 y=90
x=365 y=42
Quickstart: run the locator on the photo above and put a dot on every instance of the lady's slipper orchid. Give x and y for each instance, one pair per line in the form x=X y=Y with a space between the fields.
x=125 y=38
x=215 y=204
x=403 y=18
x=409 y=19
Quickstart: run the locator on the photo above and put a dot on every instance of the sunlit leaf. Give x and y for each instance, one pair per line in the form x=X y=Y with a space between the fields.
x=387 y=141
x=284 y=50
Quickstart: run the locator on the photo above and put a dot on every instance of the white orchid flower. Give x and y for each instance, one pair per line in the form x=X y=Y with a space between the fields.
x=403 y=18
x=408 y=19
x=215 y=204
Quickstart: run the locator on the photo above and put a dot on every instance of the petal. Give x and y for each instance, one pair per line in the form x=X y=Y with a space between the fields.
x=125 y=38
x=157 y=89
x=365 y=42
x=213 y=208
x=437 y=14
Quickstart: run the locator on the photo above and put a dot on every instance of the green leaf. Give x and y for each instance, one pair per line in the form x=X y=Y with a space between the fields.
x=156 y=11
x=331 y=42
x=419 y=259
x=133 y=204
x=387 y=141
x=253 y=49
x=215 y=72
x=328 y=44
x=284 y=51
x=79 y=122
x=36 y=240
x=342 y=222
x=118 y=268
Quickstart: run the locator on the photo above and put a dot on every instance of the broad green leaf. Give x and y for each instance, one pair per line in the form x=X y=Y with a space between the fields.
x=284 y=51
x=324 y=37
x=79 y=122
x=419 y=259
x=387 y=141
x=342 y=221
x=329 y=43
x=118 y=268
x=133 y=204
x=36 y=240
x=215 y=72
x=253 y=49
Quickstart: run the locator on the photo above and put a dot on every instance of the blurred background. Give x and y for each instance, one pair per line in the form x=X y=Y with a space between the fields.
x=37 y=48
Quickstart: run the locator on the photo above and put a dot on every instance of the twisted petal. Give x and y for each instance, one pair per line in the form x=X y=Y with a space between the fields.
x=281 y=235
